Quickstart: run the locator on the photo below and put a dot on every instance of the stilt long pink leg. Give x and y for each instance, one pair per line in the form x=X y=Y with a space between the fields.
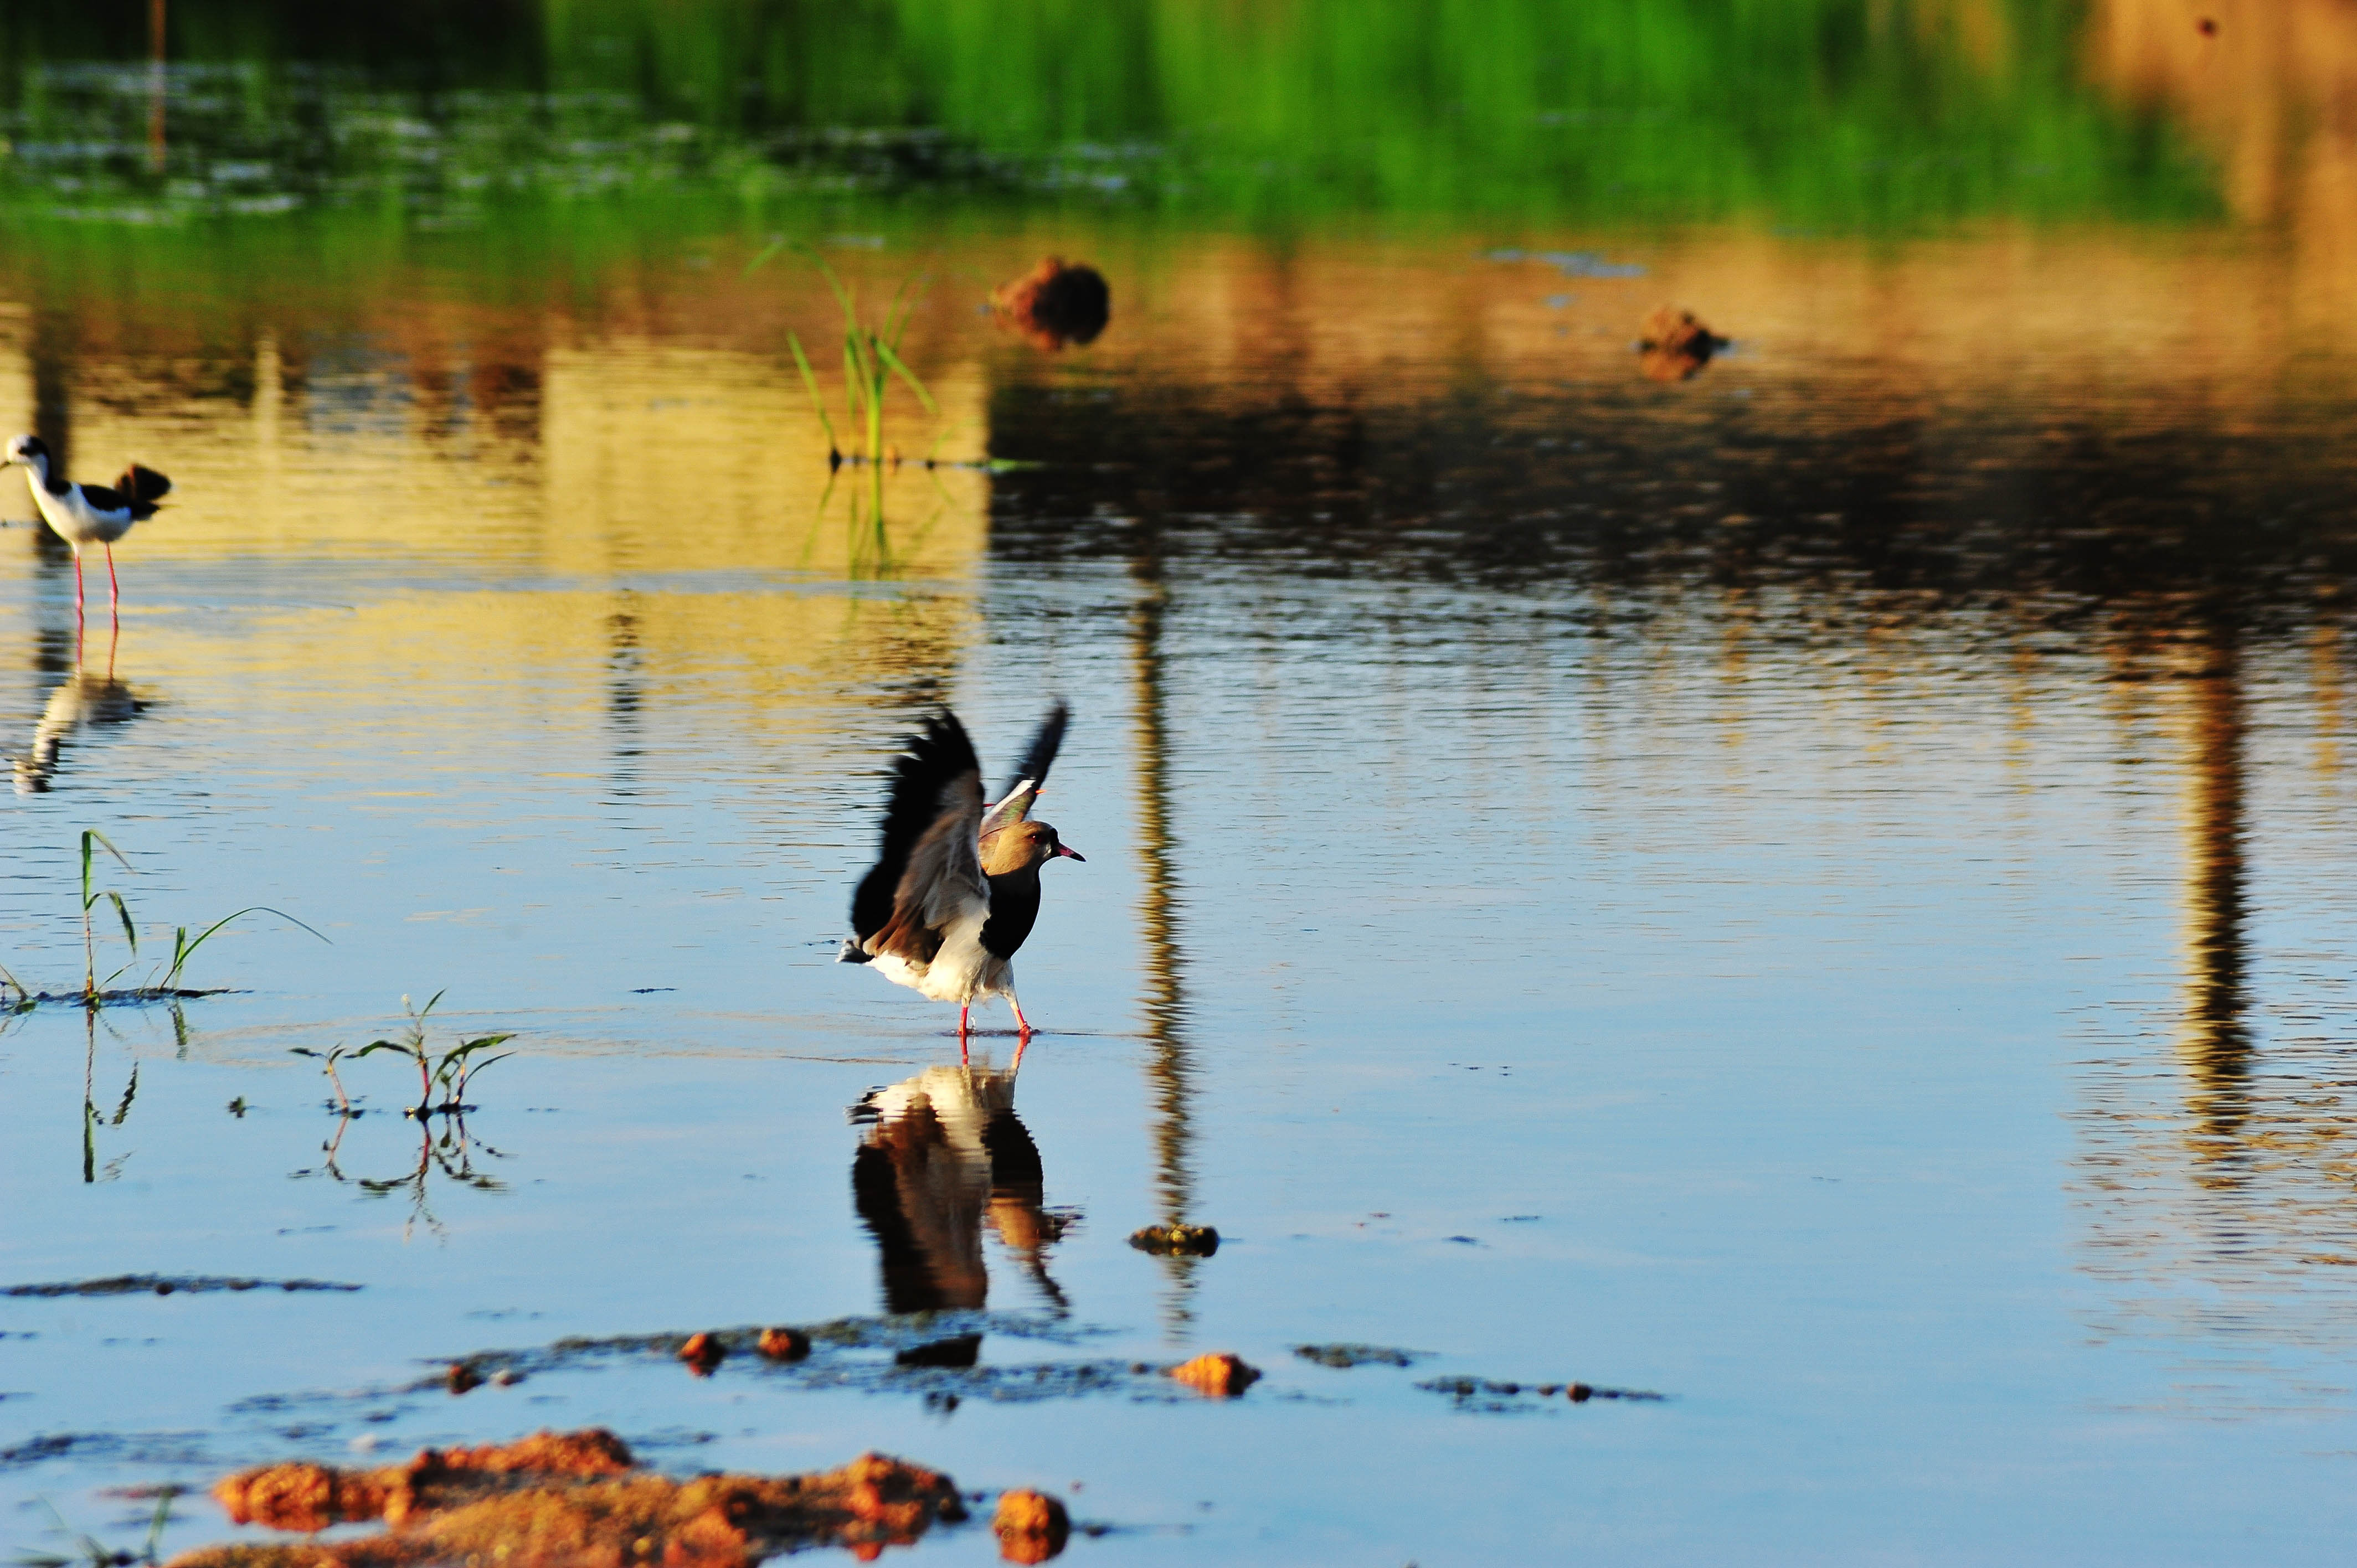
x=964 y=1007
x=113 y=589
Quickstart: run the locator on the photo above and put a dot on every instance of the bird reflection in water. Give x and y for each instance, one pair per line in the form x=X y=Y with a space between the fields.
x=944 y=1155
x=84 y=699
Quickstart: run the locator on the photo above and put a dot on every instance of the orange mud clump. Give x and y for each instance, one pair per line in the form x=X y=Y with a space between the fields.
x=573 y=1500
x=1217 y=1372
x=702 y=1353
x=784 y=1344
x=1053 y=305
x=1032 y=1526
x=1675 y=345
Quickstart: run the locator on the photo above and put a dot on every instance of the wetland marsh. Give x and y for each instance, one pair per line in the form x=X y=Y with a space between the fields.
x=1819 y=891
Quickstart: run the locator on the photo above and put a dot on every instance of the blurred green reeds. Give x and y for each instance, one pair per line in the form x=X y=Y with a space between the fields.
x=1852 y=114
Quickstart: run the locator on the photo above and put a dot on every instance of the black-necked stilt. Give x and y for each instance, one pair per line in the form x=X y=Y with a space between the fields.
x=956 y=887
x=89 y=514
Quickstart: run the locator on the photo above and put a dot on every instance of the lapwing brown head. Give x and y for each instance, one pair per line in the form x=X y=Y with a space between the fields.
x=1024 y=845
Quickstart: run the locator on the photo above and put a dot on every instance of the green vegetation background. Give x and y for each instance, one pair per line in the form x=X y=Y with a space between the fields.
x=569 y=118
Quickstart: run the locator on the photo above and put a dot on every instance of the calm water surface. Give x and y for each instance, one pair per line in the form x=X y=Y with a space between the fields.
x=1821 y=891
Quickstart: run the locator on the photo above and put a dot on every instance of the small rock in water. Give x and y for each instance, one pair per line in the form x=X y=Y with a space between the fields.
x=784 y=1344
x=461 y=1378
x=1218 y=1373
x=1580 y=1393
x=1675 y=345
x=1185 y=1240
x=1032 y=1526
x=702 y=1353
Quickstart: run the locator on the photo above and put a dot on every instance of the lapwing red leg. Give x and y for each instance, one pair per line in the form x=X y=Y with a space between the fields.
x=964 y=1007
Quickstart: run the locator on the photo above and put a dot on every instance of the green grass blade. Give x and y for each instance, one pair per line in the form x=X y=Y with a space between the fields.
x=122 y=913
x=772 y=248
x=90 y=835
x=842 y=296
x=180 y=955
x=810 y=384
x=908 y=375
x=851 y=387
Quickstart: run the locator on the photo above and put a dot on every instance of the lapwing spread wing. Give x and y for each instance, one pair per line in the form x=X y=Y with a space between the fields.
x=928 y=872
x=1031 y=775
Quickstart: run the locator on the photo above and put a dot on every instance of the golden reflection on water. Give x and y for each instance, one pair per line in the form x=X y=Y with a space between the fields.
x=612 y=442
x=1171 y=1062
x=2214 y=1041
x=2227 y=1213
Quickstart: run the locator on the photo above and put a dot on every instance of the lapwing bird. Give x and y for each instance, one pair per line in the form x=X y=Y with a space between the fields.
x=89 y=514
x=955 y=889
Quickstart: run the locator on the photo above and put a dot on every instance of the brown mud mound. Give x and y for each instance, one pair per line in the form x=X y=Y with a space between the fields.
x=1053 y=305
x=1032 y=1526
x=1218 y=1373
x=572 y=1500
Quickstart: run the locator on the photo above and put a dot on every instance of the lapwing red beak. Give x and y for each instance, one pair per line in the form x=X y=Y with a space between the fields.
x=1066 y=852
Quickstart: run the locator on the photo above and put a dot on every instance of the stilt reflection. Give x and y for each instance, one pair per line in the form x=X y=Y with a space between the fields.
x=86 y=698
x=944 y=1155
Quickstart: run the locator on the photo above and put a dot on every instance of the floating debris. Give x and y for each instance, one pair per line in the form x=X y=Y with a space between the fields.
x=1675 y=345
x=1032 y=1526
x=1053 y=305
x=1484 y=1394
x=1345 y=1357
x=1218 y=1373
x=1182 y=1241
x=166 y=1284
x=572 y=1498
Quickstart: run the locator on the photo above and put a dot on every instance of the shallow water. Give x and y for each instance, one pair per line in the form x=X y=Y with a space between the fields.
x=1820 y=891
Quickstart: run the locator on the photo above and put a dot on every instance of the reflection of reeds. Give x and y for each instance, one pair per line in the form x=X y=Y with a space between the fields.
x=1172 y=1064
x=2215 y=1043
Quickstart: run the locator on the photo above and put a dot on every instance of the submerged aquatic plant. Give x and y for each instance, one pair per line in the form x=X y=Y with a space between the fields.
x=166 y=985
x=89 y=1551
x=442 y=1077
x=446 y=1075
x=871 y=357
